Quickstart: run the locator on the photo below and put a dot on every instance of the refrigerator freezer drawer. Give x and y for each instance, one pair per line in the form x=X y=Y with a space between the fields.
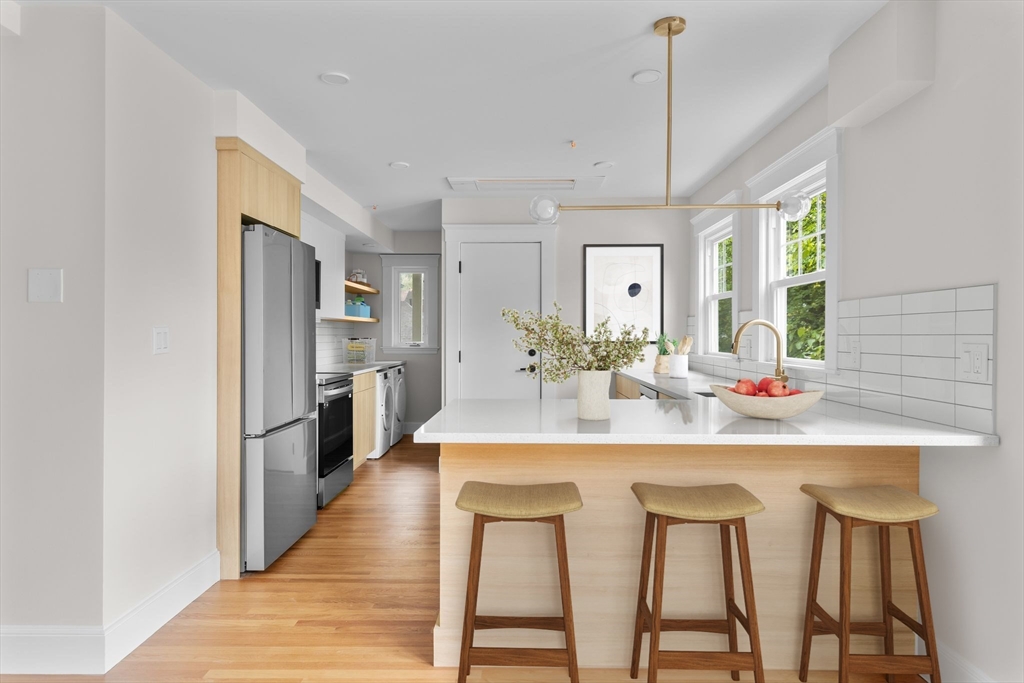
x=280 y=491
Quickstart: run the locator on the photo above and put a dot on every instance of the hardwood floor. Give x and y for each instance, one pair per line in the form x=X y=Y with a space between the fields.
x=354 y=601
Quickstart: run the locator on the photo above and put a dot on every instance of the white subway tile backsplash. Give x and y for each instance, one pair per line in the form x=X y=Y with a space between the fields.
x=848 y=326
x=845 y=342
x=844 y=378
x=846 y=361
x=882 y=305
x=975 y=298
x=933 y=368
x=929 y=411
x=884 y=324
x=874 y=362
x=849 y=309
x=943 y=346
x=880 y=343
x=807 y=373
x=877 y=382
x=886 y=403
x=813 y=386
x=929 y=323
x=848 y=395
x=931 y=389
x=930 y=302
x=975 y=419
x=974 y=395
x=974 y=322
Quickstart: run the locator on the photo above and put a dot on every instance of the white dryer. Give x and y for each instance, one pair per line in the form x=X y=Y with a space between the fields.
x=385 y=412
x=398 y=382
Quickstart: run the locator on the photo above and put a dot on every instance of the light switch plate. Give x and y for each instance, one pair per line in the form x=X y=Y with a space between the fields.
x=973 y=362
x=46 y=285
x=745 y=353
x=161 y=340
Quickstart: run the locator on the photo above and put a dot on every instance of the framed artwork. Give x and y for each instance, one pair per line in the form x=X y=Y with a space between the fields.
x=624 y=283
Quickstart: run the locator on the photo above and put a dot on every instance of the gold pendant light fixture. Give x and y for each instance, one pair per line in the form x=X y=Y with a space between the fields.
x=544 y=209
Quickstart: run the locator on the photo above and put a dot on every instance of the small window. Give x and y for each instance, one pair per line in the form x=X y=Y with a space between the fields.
x=411 y=303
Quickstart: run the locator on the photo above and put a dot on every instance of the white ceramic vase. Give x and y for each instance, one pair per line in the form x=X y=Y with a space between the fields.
x=592 y=399
x=678 y=365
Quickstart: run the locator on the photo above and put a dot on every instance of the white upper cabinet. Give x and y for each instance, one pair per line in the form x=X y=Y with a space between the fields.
x=330 y=252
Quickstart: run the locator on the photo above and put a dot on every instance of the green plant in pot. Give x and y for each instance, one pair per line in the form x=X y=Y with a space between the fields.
x=666 y=347
x=566 y=351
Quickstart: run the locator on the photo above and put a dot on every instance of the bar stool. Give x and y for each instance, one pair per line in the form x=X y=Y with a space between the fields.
x=726 y=505
x=884 y=507
x=547 y=503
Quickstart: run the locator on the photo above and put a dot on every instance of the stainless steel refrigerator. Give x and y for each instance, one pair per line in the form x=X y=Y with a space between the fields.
x=279 y=476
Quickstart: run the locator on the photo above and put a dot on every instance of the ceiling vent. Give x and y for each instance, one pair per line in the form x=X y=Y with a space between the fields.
x=525 y=184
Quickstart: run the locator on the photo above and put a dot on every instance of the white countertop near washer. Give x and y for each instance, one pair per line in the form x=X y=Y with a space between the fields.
x=697 y=421
x=357 y=368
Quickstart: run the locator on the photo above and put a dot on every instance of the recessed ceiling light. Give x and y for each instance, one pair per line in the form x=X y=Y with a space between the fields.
x=334 y=78
x=647 y=76
x=604 y=164
x=399 y=164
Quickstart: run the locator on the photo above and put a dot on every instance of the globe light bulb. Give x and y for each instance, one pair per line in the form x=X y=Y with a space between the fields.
x=544 y=209
x=795 y=206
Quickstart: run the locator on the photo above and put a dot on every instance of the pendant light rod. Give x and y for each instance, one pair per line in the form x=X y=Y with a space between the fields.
x=668 y=132
x=644 y=207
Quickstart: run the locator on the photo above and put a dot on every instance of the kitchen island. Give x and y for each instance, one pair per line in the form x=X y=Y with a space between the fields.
x=691 y=441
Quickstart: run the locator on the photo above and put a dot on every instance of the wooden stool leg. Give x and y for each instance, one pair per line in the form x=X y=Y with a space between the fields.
x=645 y=574
x=885 y=565
x=748 y=598
x=845 y=581
x=659 y=588
x=472 y=589
x=812 y=589
x=563 y=580
x=730 y=590
x=924 y=599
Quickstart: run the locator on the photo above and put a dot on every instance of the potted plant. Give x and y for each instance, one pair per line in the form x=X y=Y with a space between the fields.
x=566 y=351
x=666 y=348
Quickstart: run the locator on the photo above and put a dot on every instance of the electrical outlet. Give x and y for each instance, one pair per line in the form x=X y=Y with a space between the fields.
x=973 y=365
x=745 y=353
x=45 y=285
x=855 y=354
x=161 y=340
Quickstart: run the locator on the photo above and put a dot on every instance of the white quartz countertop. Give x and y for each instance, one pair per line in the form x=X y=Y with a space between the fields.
x=357 y=368
x=699 y=420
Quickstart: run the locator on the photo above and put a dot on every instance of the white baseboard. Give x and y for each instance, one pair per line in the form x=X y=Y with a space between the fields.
x=51 y=650
x=65 y=650
x=132 y=628
x=956 y=668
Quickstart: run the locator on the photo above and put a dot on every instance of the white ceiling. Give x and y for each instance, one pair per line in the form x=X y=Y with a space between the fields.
x=486 y=89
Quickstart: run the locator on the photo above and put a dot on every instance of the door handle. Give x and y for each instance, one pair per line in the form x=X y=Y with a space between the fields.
x=529 y=368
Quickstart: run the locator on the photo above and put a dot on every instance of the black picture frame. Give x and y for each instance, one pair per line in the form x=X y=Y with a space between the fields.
x=658 y=275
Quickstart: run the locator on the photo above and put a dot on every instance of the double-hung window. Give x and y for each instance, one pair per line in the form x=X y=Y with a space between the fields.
x=796 y=276
x=717 y=306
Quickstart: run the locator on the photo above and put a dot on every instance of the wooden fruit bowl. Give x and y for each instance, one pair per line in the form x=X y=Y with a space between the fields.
x=778 y=408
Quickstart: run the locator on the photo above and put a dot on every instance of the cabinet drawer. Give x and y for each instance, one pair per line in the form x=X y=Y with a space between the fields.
x=627 y=387
x=367 y=380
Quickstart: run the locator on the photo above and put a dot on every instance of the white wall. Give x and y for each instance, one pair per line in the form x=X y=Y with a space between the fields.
x=933 y=200
x=159 y=474
x=51 y=355
x=671 y=228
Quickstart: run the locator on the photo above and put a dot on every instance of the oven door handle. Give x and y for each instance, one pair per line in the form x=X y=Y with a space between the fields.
x=334 y=393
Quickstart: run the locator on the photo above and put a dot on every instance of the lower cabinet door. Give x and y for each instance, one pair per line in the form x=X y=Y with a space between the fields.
x=364 y=425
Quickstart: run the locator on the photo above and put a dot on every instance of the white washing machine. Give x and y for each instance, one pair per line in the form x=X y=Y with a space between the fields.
x=385 y=412
x=398 y=383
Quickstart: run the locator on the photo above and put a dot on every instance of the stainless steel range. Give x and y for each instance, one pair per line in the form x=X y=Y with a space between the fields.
x=334 y=435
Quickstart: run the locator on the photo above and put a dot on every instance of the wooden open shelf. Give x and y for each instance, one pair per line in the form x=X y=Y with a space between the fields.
x=360 y=288
x=352 y=319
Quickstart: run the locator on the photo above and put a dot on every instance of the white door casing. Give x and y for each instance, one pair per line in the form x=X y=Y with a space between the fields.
x=496 y=275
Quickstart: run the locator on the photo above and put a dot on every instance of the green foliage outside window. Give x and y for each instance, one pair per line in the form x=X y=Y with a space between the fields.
x=805 y=304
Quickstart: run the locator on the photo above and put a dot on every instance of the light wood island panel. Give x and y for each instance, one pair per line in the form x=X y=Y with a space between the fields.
x=519 y=571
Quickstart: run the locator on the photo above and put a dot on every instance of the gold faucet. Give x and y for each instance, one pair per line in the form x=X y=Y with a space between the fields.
x=779 y=370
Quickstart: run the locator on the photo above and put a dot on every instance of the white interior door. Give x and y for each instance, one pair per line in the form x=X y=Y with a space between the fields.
x=496 y=275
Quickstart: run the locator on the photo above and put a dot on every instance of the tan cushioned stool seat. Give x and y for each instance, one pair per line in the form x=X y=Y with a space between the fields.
x=706 y=503
x=510 y=501
x=873 y=503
